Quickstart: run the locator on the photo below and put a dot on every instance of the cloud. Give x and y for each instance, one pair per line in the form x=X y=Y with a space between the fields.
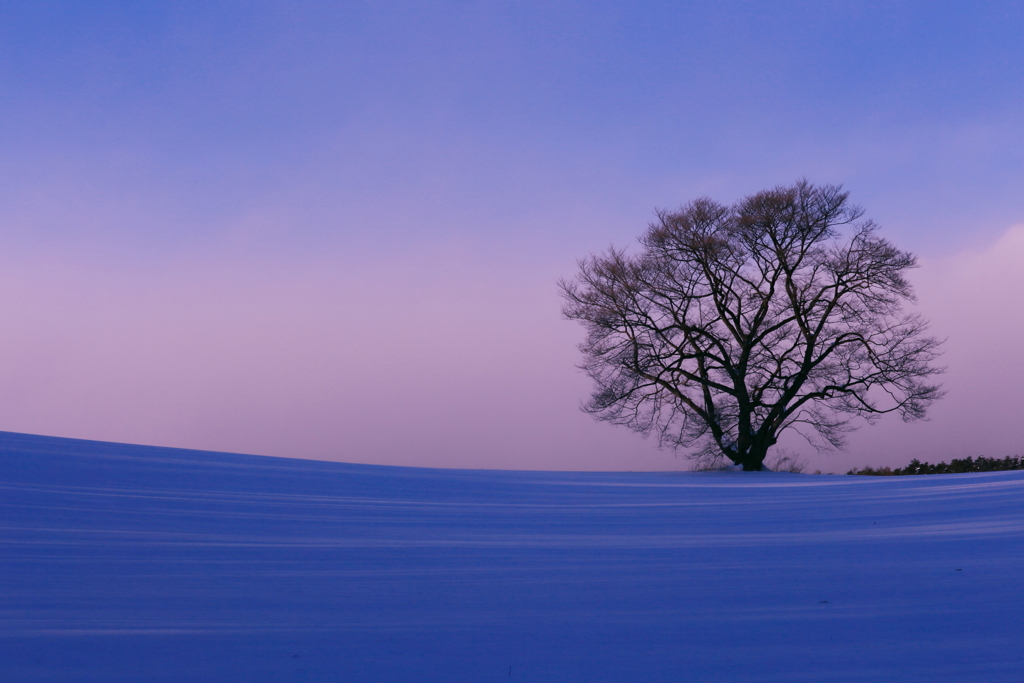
x=975 y=301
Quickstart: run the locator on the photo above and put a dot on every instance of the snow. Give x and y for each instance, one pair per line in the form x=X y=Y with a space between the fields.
x=130 y=563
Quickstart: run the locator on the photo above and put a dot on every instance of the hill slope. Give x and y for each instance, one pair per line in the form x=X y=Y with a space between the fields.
x=128 y=563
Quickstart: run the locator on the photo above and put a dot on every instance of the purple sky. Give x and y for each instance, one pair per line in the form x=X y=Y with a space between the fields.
x=290 y=229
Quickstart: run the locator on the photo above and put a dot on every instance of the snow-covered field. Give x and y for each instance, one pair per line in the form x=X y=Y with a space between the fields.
x=129 y=563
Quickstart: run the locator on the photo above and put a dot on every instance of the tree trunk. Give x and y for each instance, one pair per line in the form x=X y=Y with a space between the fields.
x=754 y=459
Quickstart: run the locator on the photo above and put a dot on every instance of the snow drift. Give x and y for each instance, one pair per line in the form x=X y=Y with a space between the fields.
x=129 y=563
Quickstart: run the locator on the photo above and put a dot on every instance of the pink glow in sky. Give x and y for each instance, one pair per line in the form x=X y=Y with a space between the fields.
x=413 y=365
x=334 y=231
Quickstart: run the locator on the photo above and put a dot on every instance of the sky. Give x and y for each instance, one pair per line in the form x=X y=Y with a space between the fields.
x=333 y=230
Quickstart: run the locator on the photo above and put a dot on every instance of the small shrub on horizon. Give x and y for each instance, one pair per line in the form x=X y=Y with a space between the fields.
x=786 y=462
x=873 y=472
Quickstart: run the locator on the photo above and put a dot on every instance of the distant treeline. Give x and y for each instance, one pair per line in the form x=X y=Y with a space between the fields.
x=982 y=464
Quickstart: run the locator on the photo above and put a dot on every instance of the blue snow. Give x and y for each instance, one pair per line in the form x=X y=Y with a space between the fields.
x=131 y=563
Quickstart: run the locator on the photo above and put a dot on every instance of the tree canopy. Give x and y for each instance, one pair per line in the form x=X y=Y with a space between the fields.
x=736 y=323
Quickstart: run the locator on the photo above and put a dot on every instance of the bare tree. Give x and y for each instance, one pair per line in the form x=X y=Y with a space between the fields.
x=735 y=323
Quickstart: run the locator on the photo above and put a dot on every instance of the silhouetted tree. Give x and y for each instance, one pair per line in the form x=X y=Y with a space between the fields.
x=735 y=323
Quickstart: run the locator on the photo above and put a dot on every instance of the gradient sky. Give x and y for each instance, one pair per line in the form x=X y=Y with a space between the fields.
x=332 y=230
